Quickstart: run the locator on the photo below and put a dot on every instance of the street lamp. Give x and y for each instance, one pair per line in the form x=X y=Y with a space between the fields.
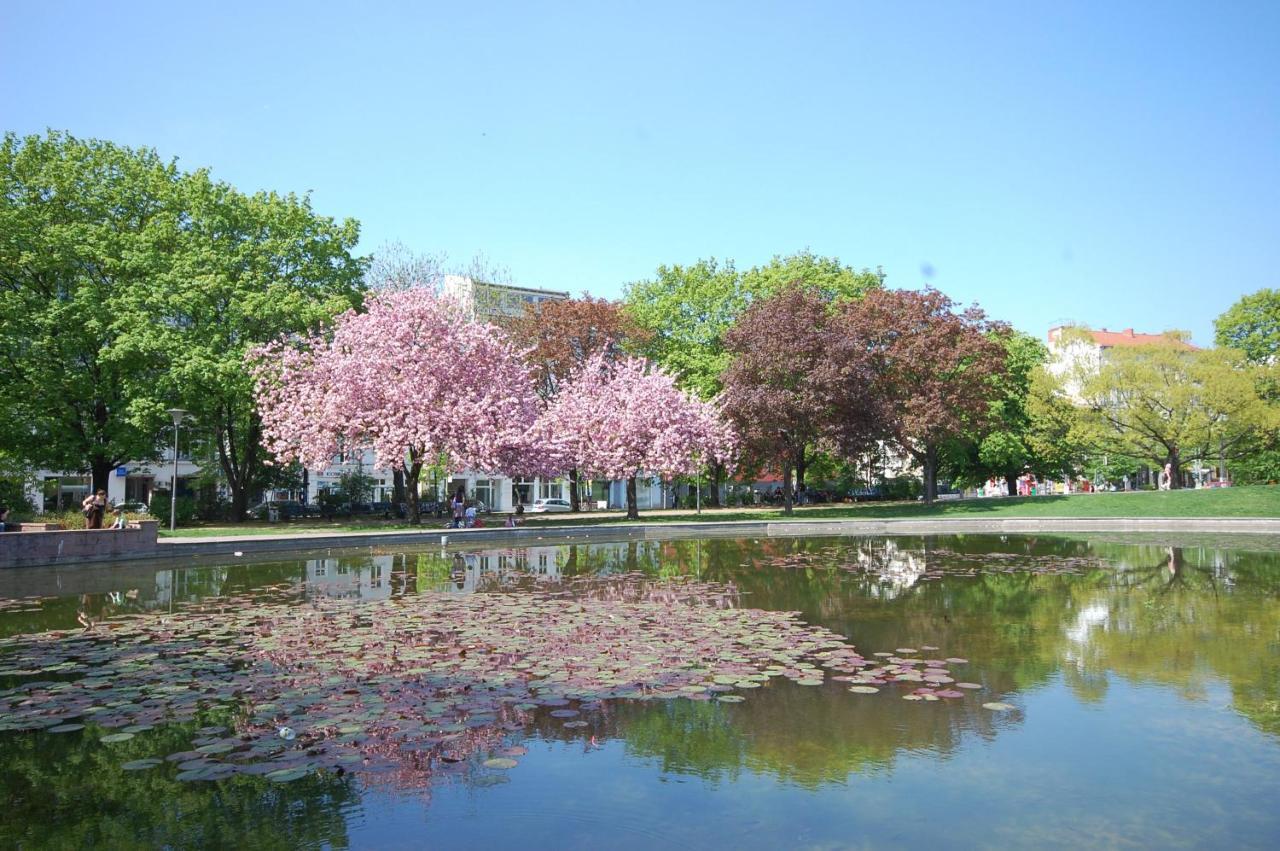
x=178 y=415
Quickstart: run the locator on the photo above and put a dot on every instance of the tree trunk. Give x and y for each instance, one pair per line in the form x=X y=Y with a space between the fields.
x=411 y=475
x=930 y=464
x=633 y=510
x=100 y=471
x=802 y=463
x=786 y=486
x=575 y=503
x=1011 y=484
x=397 y=487
x=1175 y=470
x=240 y=505
x=712 y=496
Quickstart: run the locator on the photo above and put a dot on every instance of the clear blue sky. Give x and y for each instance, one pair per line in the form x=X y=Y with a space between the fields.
x=1110 y=163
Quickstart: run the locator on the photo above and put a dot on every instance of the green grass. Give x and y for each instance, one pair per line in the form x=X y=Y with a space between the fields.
x=1256 y=501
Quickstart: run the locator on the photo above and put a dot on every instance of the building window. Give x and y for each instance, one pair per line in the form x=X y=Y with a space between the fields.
x=484 y=491
x=551 y=489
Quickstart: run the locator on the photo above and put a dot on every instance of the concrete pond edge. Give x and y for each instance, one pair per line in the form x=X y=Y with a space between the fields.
x=172 y=549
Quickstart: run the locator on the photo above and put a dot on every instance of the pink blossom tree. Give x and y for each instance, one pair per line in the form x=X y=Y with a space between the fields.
x=410 y=377
x=618 y=418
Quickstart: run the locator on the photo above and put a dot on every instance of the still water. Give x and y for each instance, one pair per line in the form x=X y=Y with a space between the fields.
x=1100 y=692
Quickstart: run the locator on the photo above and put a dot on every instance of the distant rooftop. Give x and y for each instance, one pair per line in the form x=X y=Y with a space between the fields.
x=1108 y=339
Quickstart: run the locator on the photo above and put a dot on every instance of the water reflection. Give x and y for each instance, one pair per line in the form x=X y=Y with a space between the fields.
x=1039 y=619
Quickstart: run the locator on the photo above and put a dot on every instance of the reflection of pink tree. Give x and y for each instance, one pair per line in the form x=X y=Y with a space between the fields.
x=615 y=419
x=411 y=377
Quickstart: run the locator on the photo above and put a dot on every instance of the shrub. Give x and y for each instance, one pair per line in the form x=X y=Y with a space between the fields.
x=903 y=487
x=184 y=511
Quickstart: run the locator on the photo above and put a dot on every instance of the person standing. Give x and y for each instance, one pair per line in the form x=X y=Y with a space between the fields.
x=93 y=507
x=458 y=506
x=4 y=517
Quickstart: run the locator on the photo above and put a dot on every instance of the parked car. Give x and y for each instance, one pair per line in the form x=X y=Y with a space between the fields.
x=874 y=494
x=132 y=507
x=541 y=506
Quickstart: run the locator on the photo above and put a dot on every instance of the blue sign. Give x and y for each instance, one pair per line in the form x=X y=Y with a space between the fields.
x=121 y=472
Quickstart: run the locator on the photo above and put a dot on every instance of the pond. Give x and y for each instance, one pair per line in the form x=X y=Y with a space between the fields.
x=747 y=693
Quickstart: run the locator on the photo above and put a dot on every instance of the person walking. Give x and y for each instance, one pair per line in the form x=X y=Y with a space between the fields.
x=93 y=507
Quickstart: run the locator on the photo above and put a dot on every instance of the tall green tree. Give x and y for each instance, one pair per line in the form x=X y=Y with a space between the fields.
x=84 y=227
x=1169 y=404
x=248 y=268
x=128 y=287
x=1252 y=326
x=1005 y=449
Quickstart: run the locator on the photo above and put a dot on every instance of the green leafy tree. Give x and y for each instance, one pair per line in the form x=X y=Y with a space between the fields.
x=128 y=287
x=248 y=269
x=84 y=227
x=356 y=486
x=1170 y=404
x=1252 y=326
x=1006 y=449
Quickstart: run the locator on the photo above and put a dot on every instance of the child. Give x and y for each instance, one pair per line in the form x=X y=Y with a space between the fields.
x=470 y=515
x=120 y=522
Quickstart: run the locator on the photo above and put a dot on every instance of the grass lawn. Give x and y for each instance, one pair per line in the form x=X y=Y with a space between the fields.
x=1254 y=501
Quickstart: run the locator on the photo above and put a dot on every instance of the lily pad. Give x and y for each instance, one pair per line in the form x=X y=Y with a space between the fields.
x=141 y=764
x=502 y=762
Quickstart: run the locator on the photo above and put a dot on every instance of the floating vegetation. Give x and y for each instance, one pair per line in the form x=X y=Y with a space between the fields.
x=417 y=685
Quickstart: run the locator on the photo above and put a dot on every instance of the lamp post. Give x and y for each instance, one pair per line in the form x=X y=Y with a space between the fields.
x=178 y=415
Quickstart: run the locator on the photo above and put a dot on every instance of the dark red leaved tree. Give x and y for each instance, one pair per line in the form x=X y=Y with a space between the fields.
x=934 y=368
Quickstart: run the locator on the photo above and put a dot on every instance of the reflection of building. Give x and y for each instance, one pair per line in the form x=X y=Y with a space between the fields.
x=362 y=579
x=896 y=568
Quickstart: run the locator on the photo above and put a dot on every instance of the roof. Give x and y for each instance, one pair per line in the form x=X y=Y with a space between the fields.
x=1128 y=337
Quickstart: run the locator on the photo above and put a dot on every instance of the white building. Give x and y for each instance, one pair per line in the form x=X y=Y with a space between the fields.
x=136 y=481
x=1075 y=352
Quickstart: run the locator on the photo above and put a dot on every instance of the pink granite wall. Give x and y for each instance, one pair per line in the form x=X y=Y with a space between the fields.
x=18 y=549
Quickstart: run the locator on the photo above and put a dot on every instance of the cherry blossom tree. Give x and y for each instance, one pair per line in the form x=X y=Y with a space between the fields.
x=412 y=378
x=616 y=418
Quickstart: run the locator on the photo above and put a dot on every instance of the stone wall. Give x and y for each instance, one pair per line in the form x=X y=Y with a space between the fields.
x=68 y=546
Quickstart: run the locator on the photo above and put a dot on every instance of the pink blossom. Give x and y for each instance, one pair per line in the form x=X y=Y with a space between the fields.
x=410 y=377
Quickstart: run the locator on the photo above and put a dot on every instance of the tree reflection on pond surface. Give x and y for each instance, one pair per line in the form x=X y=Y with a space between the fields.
x=1164 y=645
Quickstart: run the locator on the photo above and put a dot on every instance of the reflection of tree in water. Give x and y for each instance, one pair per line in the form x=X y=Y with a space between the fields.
x=1178 y=616
x=68 y=791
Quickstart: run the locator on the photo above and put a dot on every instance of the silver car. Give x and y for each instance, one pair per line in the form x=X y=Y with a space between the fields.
x=541 y=506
